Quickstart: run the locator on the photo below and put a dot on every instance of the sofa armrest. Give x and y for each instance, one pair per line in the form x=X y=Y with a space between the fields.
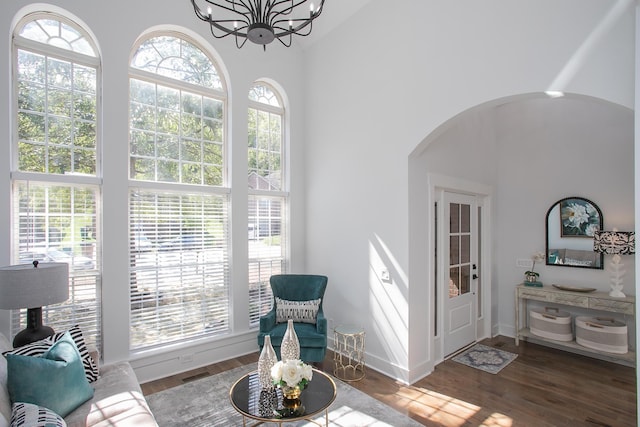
x=321 y=323
x=268 y=321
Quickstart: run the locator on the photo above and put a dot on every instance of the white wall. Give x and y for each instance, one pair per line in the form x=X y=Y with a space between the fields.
x=383 y=82
x=117 y=25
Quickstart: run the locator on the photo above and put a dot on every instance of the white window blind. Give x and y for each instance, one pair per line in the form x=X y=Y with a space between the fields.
x=179 y=266
x=268 y=202
x=178 y=218
x=55 y=168
x=58 y=223
x=267 y=244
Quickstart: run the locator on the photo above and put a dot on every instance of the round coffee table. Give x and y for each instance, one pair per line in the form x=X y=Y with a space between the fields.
x=251 y=401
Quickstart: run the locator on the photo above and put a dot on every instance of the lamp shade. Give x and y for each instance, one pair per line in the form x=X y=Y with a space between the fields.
x=31 y=286
x=615 y=242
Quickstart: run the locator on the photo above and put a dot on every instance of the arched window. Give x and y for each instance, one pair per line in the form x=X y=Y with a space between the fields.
x=55 y=169
x=268 y=196
x=178 y=215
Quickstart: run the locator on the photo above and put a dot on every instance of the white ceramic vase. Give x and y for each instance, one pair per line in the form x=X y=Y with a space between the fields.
x=266 y=361
x=290 y=347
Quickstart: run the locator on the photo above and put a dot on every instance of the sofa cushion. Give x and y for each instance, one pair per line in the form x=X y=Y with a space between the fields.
x=298 y=311
x=30 y=415
x=40 y=347
x=117 y=401
x=55 y=380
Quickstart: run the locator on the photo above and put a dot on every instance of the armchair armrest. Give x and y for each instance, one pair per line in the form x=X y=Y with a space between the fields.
x=268 y=321
x=321 y=323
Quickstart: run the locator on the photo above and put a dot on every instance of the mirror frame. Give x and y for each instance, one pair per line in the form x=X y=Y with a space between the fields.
x=600 y=225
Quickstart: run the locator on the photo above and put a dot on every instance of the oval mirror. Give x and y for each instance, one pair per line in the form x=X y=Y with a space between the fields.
x=571 y=224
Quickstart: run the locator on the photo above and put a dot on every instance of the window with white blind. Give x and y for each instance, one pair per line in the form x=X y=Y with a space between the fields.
x=55 y=166
x=268 y=198
x=178 y=198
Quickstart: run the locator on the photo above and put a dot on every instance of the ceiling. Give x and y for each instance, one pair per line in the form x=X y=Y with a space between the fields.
x=334 y=13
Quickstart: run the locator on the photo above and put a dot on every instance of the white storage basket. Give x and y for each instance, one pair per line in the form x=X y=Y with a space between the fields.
x=551 y=323
x=602 y=333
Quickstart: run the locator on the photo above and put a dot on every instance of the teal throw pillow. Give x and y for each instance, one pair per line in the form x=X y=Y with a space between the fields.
x=55 y=380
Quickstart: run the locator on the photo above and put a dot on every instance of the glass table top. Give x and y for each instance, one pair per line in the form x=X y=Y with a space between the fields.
x=248 y=398
x=348 y=329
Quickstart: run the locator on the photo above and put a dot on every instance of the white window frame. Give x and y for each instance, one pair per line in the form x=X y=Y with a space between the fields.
x=263 y=299
x=67 y=314
x=223 y=191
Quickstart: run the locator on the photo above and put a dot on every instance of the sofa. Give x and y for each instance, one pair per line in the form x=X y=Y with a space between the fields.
x=117 y=398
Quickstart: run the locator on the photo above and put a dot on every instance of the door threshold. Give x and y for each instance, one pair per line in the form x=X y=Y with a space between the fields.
x=457 y=352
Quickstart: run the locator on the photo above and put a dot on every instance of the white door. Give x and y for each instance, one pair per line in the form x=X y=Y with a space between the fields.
x=459 y=289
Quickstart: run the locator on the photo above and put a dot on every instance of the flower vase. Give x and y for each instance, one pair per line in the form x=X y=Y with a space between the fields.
x=290 y=347
x=291 y=393
x=291 y=403
x=266 y=361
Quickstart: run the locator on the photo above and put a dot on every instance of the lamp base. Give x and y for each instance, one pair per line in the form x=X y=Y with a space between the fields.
x=616 y=292
x=34 y=331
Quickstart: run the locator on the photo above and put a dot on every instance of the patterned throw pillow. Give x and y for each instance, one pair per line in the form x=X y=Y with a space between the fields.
x=30 y=415
x=55 y=380
x=38 y=348
x=298 y=311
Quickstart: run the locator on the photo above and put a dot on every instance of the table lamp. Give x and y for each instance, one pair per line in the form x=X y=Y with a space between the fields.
x=615 y=243
x=32 y=287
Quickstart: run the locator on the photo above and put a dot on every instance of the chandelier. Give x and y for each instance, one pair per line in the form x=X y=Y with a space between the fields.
x=260 y=21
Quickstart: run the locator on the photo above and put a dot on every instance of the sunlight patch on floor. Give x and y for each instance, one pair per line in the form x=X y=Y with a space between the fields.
x=345 y=416
x=446 y=410
x=497 y=420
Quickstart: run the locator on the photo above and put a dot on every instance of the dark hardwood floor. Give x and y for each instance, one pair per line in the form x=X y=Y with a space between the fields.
x=542 y=387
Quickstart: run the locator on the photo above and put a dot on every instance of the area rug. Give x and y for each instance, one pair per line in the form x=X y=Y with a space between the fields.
x=205 y=402
x=485 y=358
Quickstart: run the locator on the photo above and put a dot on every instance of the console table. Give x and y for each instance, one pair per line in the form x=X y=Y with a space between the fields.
x=592 y=301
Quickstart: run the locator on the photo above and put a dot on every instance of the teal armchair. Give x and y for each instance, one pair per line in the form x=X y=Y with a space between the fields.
x=302 y=292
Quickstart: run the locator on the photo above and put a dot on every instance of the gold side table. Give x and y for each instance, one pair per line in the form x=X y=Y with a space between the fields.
x=348 y=355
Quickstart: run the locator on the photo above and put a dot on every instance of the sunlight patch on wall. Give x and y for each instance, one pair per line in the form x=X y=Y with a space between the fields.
x=581 y=55
x=388 y=302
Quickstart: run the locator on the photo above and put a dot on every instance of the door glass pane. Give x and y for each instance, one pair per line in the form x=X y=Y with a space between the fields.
x=465 y=218
x=465 y=249
x=454 y=218
x=454 y=280
x=465 y=280
x=454 y=250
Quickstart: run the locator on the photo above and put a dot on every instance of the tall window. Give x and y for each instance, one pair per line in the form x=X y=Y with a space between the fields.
x=55 y=165
x=178 y=198
x=268 y=199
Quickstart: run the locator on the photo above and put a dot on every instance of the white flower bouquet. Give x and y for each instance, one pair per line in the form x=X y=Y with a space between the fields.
x=291 y=373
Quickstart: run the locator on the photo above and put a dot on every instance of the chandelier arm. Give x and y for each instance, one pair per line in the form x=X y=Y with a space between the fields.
x=283 y=42
x=286 y=11
x=287 y=31
x=248 y=13
x=239 y=46
x=226 y=31
x=247 y=5
x=293 y=29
